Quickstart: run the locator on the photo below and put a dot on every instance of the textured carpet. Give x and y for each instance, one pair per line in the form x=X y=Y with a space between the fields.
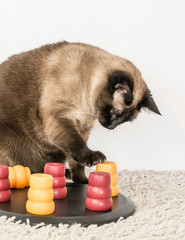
x=159 y=198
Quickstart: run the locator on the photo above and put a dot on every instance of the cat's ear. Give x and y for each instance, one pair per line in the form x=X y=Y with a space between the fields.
x=121 y=87
x=148 y=102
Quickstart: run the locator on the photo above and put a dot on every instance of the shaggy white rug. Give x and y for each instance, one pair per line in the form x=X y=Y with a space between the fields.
x=159 y=198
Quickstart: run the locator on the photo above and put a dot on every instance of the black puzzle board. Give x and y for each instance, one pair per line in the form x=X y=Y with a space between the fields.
x=69 y=210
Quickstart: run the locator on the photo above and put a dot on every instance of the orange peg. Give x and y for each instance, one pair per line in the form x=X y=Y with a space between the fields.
x=111 y=168
x=12 y=177
x=28 y=175
x=19 y=176
x=40 y=195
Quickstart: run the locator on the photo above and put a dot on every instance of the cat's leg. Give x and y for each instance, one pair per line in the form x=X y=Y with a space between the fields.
x=64 y=134
x=77 y=171
x=68 y=174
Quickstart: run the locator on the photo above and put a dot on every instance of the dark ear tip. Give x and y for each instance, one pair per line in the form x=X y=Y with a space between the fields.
x=157 y=111
x=150 y=104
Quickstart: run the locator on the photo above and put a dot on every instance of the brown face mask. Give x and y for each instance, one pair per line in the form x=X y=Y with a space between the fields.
x=121 y=102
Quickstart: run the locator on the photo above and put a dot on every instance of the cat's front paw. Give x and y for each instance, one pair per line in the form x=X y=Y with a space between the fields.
x=90 y=158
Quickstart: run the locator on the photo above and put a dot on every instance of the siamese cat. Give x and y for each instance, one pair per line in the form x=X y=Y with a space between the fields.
x=50 y=98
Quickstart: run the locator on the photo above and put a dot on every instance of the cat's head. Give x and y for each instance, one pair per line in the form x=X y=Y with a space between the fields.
x=123 y=97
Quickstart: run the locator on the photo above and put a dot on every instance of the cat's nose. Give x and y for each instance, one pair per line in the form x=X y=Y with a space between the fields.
x=113 y=117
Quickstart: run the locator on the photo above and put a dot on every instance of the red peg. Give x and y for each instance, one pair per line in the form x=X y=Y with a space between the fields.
x=98 y=204
x=60 y=193
x=4 y=184
x=5 y=195
x=99 y=192
x=3 y=171
x=55 y=169
x=59 y=182
x=99 y=179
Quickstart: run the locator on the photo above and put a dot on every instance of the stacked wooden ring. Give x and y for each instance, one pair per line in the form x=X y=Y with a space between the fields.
x=57 y=170
x=5 y=193
x=99 y=192
x=19 y=176
x=40 y=195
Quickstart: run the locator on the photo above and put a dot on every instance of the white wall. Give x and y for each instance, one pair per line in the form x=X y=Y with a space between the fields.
x=149 y=33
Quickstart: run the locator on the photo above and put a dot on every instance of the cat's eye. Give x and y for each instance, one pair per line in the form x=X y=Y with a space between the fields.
x=128 y=101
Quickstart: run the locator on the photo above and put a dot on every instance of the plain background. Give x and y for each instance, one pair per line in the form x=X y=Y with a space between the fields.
x=149 y=33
